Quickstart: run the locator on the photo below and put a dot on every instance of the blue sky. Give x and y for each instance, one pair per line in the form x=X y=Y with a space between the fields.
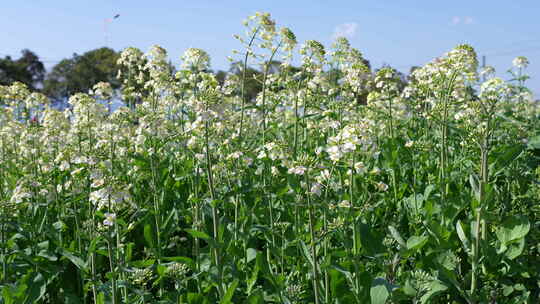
x=399 y=33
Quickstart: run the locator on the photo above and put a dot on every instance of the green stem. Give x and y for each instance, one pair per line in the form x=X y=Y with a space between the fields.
x=243 y=87
x=313 y=243
x=215 y=218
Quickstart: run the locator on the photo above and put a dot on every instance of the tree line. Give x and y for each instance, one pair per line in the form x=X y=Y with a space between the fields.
x=81 y=72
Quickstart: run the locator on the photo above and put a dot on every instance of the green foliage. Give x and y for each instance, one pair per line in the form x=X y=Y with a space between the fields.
x=27 y=69
x=81 y=72
x=270 y=186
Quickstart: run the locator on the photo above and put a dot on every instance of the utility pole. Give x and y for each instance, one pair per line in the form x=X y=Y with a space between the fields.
x=106 y=21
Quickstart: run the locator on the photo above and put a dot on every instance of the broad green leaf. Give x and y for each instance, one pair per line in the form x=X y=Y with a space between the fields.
x=195 y=298
x=256 y=298
x=463 y=237
x=534 y=142
x=251 y=254
x=77 y=261
x=253 y=278
x=201 y=235
x=100 y=298
x=371 y=241
x=198 y=234
x=475 y=186
x=149 y=235
x=428 y=190
x=380 y=291
x=416 y=242
x=37 y=286
x=513 y=229
x=434 y=288
x=515 y=249
x=180 y=259
x=307 y=254
x=397 y=236
x=230 y=292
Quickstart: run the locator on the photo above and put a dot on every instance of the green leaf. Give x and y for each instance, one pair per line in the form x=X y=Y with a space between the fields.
x=198 y=234
x=181 y=259
x=230 y=292
x=513 y=229
x=251 y=254
x=415 y=243
x=515 y=249
x=448 y=260
x=149 y=235
x=306 y=253
x=534 y=142
x=37 y=287
x=253 y=278
x=509 y=155
x=203 y=236
x=371 y=241
x=463 y=237
x=77 y=261
x=428 y=191
x=475 y=185
x=434 y=288
x=397 y=236
x=347 y=274
x=100 y=298
x=380 y=291
x=195 y=298
x=256 y=298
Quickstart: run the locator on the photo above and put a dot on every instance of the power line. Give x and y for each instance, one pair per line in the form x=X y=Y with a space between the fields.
x=513 y=52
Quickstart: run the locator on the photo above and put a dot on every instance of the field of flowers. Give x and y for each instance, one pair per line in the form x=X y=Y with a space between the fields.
x=335 y=185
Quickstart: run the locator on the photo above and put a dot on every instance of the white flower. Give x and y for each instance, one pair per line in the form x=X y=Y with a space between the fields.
x=334 y=153
x=299 y=170
x=520 y=62
x=235 y=155
x=98 y=183
x=376 y=171
x=360 y=167
x=382 y=186
x=64 y=166
x=109 y=219
x=348 y=147
x=344 y=204
x=316 y=189
x=409 y=143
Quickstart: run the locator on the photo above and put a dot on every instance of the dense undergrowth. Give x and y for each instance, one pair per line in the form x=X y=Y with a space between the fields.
x=335 y=185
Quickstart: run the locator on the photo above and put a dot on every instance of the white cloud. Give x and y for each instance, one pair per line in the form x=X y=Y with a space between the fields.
x=347 y=30
x=462 y=20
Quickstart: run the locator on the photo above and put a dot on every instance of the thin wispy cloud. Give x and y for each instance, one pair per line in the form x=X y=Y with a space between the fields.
x=347 y=30
x=456 y=20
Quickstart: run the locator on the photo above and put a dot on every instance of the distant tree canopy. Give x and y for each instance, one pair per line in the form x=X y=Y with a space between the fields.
x=254 y=76
x=28 y=69
x=81 y=72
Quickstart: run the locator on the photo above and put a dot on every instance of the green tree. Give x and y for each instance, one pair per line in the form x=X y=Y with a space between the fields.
x=28 y=69
x=81 y=72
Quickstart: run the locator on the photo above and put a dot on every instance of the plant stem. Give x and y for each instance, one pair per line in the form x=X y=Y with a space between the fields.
x=312 y=243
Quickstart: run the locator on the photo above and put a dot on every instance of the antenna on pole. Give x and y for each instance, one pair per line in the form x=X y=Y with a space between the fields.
x=106 y=21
